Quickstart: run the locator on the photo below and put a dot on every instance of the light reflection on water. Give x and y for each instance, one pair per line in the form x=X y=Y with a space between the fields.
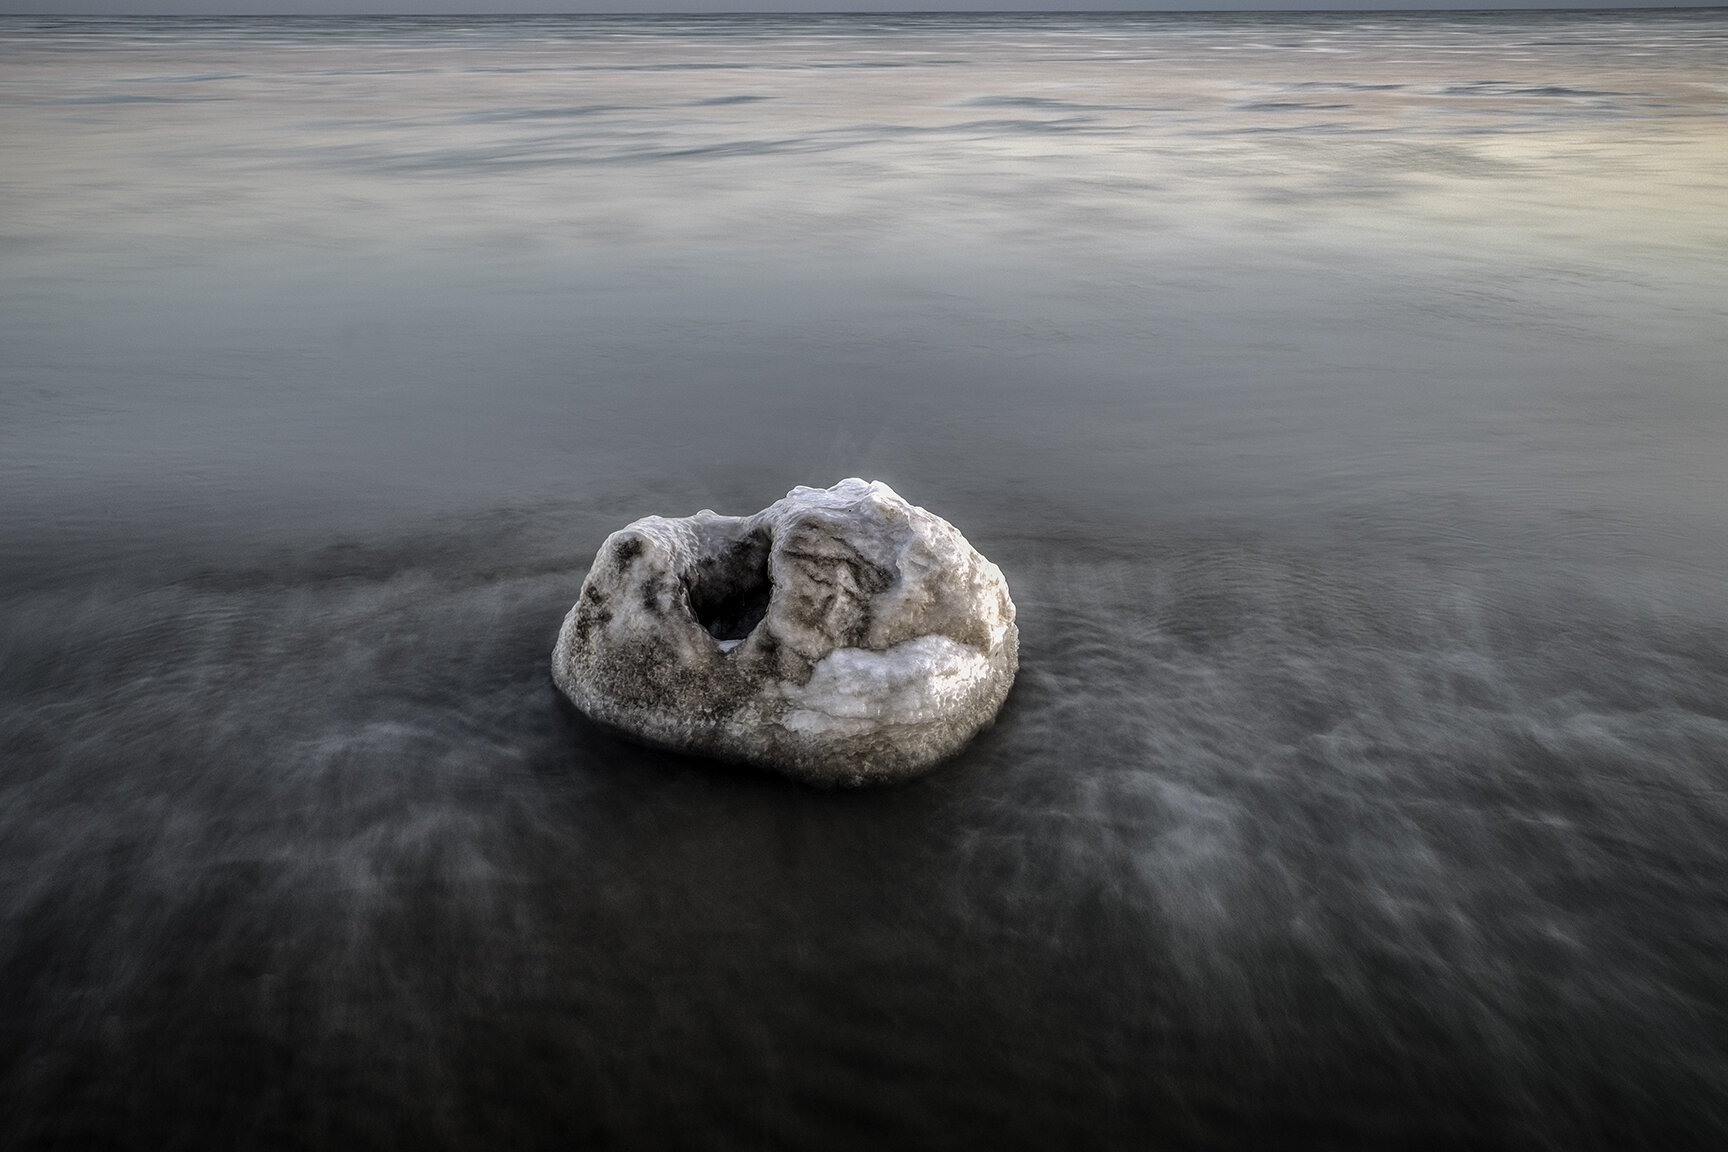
x=1342 y=396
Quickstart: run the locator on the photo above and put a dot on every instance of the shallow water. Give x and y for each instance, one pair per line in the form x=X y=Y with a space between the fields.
x=1342 y=395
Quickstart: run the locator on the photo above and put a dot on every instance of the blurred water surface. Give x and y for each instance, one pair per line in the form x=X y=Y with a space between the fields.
x=1343 y=396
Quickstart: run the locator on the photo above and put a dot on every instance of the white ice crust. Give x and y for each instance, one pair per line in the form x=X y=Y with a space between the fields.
x=854 y=689
x=840 y=636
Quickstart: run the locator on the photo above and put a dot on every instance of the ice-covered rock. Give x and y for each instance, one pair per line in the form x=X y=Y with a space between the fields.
x=840 y=636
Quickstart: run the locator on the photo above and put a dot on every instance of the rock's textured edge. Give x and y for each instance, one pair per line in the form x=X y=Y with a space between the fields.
x=932 y=655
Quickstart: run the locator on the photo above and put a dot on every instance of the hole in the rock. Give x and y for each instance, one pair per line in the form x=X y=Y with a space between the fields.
x=729 y=591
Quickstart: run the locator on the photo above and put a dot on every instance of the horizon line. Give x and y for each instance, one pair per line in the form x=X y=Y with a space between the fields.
x=1371 y=7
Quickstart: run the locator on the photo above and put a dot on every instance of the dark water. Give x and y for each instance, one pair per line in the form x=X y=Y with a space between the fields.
x=1343 y=396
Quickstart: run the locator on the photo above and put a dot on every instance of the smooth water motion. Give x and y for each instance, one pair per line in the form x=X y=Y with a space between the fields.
x=1341 y=396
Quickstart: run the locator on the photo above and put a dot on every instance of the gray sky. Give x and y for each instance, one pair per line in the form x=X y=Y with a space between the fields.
x=272 y=7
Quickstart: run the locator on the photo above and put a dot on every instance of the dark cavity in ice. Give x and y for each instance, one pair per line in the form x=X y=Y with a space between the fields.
x=729 y=592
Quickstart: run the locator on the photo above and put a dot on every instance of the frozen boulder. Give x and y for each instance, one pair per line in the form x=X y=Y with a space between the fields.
x=839 y=636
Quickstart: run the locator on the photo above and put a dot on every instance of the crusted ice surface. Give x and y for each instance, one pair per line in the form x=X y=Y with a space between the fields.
x=854 y=689
x=840 y=636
